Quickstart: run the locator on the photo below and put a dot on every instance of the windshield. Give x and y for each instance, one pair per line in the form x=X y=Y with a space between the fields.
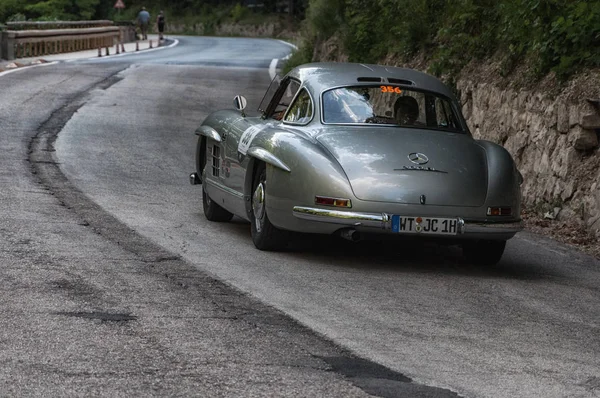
x=389 y=105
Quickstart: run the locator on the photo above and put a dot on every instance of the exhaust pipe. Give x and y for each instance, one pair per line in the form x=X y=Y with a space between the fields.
x=350 y=234
x=195 y=179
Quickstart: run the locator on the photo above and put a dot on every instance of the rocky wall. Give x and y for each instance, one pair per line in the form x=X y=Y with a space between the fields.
x=553 y=140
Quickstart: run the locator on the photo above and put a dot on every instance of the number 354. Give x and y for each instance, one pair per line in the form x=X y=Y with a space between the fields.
x=391 y=89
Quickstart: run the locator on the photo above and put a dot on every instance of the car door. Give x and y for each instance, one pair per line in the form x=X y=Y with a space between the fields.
x=242 y=132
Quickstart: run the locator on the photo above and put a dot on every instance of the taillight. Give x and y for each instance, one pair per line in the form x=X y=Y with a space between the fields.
x=337 y=202
x=499 y=211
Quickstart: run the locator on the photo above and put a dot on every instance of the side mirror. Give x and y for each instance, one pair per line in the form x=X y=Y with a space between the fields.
x=240 y=103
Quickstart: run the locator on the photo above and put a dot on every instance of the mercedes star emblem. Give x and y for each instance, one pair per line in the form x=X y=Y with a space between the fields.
x=418 y=158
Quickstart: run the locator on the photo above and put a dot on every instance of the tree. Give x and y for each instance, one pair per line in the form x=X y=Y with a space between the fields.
x=63 y=9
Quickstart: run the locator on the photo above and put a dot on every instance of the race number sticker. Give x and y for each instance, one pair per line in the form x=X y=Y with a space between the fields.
x=247 y=138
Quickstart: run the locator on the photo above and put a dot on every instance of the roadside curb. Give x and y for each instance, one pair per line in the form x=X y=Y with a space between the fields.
x=16 y=66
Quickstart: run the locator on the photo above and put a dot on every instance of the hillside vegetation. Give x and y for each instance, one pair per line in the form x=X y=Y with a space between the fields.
x=209 y=13
x=558 y=36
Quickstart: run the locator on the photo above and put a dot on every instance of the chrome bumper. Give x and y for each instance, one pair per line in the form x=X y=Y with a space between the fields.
x=384 y=221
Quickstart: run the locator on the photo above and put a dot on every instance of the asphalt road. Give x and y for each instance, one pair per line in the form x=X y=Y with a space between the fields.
x=108 y=225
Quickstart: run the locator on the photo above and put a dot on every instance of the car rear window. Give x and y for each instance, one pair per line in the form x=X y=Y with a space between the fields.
x=389 y=105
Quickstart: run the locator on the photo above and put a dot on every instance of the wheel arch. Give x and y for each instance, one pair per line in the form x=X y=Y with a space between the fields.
x=209 y=132
x=200 y=154
x=258 y=155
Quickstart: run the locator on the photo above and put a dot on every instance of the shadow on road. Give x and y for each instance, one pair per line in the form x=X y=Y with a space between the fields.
x=382 y=253
x=409 y=255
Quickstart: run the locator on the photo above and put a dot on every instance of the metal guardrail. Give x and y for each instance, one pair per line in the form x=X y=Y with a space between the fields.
x=74 y=36
x=47 y=25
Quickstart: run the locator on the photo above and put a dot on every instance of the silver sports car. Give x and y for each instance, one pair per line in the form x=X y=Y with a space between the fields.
x=355 y=149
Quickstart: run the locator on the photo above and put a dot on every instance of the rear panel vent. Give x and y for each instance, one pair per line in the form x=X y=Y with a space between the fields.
x=369 y=79
x=400 y=81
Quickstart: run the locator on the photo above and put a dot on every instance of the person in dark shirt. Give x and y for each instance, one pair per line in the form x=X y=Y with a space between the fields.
x=160 y=22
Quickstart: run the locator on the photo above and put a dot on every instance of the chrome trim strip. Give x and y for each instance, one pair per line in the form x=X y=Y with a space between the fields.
x=383 y=221
x=208 y=132
x=500 y=228
x=377 y=220
x=225 y=189
x=267 y=157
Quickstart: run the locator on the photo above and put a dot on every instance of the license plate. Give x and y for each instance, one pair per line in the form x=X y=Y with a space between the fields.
x=425 y=225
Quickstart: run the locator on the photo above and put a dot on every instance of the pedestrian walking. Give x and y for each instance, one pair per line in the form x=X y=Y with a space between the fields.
x=160 y=22
x=143 y=20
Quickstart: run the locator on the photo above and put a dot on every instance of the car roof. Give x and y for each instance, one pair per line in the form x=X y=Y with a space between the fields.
x=325 y=75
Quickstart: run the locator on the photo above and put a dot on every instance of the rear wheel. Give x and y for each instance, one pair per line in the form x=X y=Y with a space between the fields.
x=212 y=211
x=483 y=252
x=264 y=234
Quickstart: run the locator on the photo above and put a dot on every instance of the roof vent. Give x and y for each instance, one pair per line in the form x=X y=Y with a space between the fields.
x=369 y=79
x=400 y=81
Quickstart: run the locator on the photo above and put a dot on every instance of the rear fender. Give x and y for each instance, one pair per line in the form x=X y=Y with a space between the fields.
x=503 y=177
x=298 y=168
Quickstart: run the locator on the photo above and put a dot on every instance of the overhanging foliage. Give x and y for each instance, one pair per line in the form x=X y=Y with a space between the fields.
x=548 y=35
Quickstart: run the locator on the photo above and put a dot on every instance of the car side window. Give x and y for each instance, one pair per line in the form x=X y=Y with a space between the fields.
x=301 y=111
x=444 y=115
x=286 y=93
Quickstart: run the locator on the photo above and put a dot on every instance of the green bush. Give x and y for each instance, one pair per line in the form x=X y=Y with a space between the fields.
x=324 y=18
x=301 y=56
x=18 y=17
x=558 y=36
x=555 y=35
x=238 y=12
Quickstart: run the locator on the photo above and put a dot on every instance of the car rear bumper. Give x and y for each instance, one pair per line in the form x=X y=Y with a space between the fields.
x=383 y=221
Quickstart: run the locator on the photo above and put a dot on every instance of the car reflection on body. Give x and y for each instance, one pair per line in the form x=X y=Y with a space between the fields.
x=350 y=149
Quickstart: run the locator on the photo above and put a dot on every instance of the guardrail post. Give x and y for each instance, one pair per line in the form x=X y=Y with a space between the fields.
x=7 y=42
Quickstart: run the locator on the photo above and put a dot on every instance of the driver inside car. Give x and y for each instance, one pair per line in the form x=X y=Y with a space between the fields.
x=406 y=110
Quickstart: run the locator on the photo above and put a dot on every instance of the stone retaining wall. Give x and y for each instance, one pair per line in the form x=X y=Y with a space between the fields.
x=553 y=141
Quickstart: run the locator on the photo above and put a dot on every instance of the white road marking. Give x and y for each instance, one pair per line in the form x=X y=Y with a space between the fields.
x=289 y=44
x=275 y=61
x=176 y=42
x=26 y=67
x=273 y=68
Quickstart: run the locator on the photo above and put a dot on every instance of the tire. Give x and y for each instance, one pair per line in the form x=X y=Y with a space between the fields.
x=264 y=234
x=483 y=252
x=212 y=211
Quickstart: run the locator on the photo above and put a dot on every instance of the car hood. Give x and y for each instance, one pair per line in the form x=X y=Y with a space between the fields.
x=376 y=162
